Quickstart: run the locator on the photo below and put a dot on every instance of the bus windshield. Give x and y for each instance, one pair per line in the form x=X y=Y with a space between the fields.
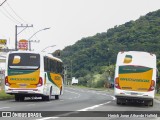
x=24 y=61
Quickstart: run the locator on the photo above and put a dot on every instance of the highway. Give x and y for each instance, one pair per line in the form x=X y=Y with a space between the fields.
x=77 y=99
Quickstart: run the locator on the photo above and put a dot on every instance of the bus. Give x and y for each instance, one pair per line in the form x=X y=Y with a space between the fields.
x=31 y=74
x=135 y=77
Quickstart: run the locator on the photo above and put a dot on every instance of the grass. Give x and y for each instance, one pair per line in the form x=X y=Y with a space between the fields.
x=157 y=94
x=3 y=95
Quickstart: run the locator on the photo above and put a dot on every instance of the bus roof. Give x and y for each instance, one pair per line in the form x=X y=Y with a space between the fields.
x=41 y=53
x=136 y=58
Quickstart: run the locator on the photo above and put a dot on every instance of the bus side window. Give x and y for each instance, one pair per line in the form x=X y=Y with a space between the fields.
x=48 y=68
x=61 y=68
x=52 y=66
x=45 y=63
x=55 y=66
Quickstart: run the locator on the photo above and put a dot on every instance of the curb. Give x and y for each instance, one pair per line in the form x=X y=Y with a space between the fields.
x=1 y=99
x=157 y=98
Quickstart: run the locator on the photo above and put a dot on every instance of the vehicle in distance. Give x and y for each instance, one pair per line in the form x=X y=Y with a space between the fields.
x=33 y=74
x=135 y=77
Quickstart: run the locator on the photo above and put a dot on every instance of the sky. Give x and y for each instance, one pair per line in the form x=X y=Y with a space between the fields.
x=68 y=20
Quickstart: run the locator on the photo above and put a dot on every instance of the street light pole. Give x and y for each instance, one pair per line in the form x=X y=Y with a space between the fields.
x=29 y=40
x=16 y=34
x=48 y=47
x=16 y=37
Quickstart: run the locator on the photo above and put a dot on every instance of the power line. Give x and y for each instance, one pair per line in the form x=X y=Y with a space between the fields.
x=10 y=15
x=15 y=13
x=3 y=2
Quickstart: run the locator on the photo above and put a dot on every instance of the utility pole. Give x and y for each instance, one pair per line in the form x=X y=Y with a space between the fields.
x=29 y=39
x=71 y=70
x=16 y=34
x=3 y=2
x=35 y=41
x=65 y=74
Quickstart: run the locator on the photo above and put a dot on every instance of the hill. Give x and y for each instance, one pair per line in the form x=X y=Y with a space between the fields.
x=90 y=55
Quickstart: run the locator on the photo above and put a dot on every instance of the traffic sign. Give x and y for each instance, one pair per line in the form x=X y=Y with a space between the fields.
x=23 y=45
x=3 y=41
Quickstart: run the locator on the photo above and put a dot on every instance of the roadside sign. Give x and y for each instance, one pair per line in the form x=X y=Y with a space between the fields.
x=23 y=45
x=6 y=50
x=3 y=41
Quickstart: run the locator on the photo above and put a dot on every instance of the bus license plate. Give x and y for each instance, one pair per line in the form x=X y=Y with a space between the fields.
x=23 y=85
x=133 y=93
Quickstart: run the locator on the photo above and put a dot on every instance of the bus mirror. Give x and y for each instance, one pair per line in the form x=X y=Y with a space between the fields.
x=157 y=79
x=57 y=53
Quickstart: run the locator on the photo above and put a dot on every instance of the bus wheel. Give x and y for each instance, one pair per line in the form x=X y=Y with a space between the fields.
x=21 y=98
x=48 y=98
x=44 y=98
x=56 y=97
x=118 y=101
x=150 y=103
x=16 y=98
x=61 y=91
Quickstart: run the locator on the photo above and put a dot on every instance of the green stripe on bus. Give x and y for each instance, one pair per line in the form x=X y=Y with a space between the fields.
x=50 y=79
x=133 y=69
x=19 y=72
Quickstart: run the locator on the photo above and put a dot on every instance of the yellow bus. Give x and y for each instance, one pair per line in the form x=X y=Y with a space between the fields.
x=135 y=77
x=31 y=74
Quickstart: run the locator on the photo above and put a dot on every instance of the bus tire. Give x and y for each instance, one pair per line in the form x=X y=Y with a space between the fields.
x=21 y=98
x=151 y=103
x=43 y=98
x=48 y=98
x=146 y=103
x=16 y=98
x=118 y=101
x=56 y=97
x=61 y=91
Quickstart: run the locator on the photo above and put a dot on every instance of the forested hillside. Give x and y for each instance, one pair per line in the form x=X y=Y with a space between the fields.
x=91 y=55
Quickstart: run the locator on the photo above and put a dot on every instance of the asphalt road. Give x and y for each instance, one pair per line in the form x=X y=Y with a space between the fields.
x=73 y=101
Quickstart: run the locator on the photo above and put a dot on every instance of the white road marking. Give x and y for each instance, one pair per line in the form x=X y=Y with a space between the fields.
x=95 y=92
x=85 y=109
x=104 y=95
x=30 y=105
x=48 y=102
x=47 y=118
x=4 y=107
x=113 y=97
x=93 y=107
x=78 y=95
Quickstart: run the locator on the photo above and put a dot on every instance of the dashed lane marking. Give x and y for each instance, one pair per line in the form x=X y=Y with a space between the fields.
x=4 y=107
x=78 y=95
x=93 y=107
